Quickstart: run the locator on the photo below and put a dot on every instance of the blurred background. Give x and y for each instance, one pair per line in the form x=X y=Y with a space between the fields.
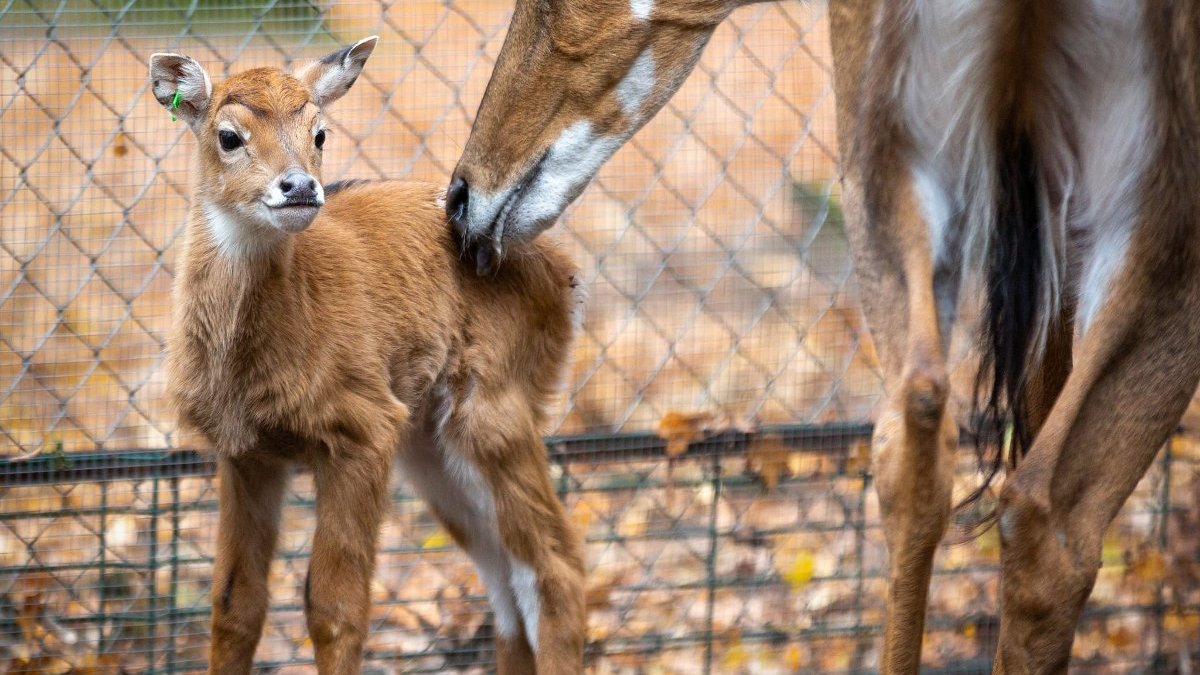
x=711 y=436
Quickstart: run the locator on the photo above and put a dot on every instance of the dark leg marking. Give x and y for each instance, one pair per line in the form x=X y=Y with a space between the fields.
x=308 y=590
x=227 y=592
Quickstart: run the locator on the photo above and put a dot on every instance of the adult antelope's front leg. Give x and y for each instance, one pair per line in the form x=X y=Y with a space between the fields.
x=352 y=498
x=251 y=493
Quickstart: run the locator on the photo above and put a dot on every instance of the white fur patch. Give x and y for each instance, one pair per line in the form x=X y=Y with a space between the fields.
x=525 y=587
x=238 y=237
x=637 y=84
x=641 y=9
x=1097 y=94
x=195 y=80
x=935 y=207
x=447 y=479
x=477 y=508
x=482 y=208
x=191 y=83
x=1114 y=124
x=337 y=78
x=330 y=83
x=943 y=89
x=568 y=167
x=1006 y=526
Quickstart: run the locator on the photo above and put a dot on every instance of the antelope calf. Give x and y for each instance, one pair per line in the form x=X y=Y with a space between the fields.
x=336 y=328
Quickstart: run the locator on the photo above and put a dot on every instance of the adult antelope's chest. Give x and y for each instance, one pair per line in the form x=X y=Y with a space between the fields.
x=1077 y=79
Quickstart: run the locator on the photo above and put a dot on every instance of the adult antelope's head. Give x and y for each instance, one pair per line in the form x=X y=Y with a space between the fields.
x=260 y=136
x=574 y=80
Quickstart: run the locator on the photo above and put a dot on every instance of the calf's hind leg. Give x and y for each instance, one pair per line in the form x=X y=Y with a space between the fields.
x=461 y=499
x=485 y=475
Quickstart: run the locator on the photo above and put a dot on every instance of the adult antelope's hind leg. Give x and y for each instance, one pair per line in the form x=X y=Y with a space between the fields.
x=909 y=305
x=251 y=494
x=909 y=301
x=1135 y=371
x=352 y=485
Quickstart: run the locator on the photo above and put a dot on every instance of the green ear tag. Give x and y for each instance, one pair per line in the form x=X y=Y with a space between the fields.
x=175 y=100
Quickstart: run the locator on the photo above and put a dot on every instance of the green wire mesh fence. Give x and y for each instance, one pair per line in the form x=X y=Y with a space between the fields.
x=721 y=297
x=749 y=553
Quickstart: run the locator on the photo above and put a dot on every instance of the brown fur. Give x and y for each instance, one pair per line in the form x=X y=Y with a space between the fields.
x=339 y=345
x=1098 y=408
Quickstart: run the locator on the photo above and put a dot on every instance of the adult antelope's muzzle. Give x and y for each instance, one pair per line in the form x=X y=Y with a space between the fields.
x=483 y=249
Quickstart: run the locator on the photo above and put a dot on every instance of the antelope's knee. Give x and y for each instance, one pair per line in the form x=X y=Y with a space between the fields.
x=926 y=390
x=238 y=628
x=331 y=618
x=326 y=624
x=1024 y=513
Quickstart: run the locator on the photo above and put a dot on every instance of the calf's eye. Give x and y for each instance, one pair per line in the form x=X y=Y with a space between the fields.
x=229 y=140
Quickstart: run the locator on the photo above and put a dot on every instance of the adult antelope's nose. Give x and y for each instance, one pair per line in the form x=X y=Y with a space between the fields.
x=456 y=204
x=472 y=249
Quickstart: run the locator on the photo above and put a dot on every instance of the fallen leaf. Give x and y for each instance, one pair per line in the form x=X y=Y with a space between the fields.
x=800 y=572
x=735 y=657
x=439 y=539
x=768 y=457
x=860 y=457
x=1149 y=566
x=1122 y=638
x=680 y=429
x=1182 y=621
x=793 y=658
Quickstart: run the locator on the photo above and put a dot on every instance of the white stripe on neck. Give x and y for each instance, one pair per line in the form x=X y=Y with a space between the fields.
x=238 y=238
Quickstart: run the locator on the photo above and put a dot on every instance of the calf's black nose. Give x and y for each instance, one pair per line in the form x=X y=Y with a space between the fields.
x=298 y=186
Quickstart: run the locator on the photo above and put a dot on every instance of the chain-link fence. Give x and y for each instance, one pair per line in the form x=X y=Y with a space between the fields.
x=720 y=297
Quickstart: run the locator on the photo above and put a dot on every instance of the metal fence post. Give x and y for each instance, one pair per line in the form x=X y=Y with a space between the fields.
x=173 y=622
x=711 y=562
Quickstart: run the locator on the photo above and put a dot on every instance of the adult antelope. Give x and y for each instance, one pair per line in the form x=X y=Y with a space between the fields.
x=1050 y=145
x=335 y=327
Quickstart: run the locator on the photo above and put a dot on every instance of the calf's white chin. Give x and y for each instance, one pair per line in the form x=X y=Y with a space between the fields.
x=293 y=219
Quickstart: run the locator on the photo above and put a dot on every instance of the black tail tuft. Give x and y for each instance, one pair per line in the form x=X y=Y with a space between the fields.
x=1012 y=315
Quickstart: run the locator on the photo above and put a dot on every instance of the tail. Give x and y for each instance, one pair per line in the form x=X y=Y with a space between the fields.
x=1016 y=312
